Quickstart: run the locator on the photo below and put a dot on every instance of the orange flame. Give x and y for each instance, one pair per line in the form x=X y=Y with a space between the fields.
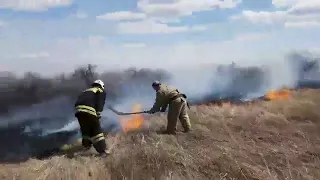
x=135 y=122
x=282 y=94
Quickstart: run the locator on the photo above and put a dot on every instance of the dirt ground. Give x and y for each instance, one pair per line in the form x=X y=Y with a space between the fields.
x=265 y=140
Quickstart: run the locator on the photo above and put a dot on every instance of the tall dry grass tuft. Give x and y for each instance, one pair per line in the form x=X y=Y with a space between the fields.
x=274 y=140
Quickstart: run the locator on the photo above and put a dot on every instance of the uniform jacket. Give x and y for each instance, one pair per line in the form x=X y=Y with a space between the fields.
x=164 y=97
x=91 y=101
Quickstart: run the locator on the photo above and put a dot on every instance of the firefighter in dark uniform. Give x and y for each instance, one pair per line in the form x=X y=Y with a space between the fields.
x=88 y=107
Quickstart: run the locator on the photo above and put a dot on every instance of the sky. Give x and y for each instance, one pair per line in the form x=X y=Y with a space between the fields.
x=52 y=36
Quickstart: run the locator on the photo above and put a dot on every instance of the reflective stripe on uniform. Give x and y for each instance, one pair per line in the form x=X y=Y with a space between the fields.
x=87 y=109
x=94 y=89
x=97 y=138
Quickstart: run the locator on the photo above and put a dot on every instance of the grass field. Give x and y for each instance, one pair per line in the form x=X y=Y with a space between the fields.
x=270 y=140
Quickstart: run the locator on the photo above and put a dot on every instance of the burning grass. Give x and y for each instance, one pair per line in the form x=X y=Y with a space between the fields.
x=134 y=122
x=276 y=139
x=282 y=94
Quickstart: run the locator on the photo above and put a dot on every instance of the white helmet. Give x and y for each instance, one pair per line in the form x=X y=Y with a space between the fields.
x=99 y=82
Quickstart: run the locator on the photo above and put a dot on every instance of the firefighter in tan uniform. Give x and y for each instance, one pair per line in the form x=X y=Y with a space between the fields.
x=166 y=95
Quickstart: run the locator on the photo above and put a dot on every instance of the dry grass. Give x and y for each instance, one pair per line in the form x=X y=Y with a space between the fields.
x=266 y=140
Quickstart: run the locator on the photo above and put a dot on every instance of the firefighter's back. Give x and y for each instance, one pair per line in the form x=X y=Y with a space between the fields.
x=86 y=98
x=87 y=101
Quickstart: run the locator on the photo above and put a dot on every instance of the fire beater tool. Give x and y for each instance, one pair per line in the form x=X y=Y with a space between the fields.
x=126 y=113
